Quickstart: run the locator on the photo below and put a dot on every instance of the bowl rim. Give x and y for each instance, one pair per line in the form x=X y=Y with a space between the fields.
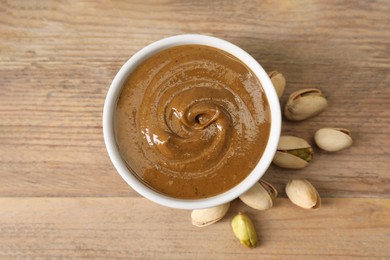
x=116 y=88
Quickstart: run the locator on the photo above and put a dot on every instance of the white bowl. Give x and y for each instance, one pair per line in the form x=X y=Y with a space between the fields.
x=115 y=90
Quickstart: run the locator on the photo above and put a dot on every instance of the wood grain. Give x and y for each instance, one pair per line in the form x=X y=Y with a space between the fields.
x=57 y=60
x=133 y=228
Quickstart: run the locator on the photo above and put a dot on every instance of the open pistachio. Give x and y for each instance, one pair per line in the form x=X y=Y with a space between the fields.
x=278 y=81
x=305 y=103
x=244 y=230
x=333 y=139
x=205 y=217
x=293 y=153
x=303 y=194
x=260 y=196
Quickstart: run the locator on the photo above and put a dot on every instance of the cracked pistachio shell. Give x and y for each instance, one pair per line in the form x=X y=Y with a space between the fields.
x=278 y=81
x=333 y=139
x=303 y=194
x=205 y=217
x=292 y=153
x=244 y=230
x=305 y=103
x=260 y=196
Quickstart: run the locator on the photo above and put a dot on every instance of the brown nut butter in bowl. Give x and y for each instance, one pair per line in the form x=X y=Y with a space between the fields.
x=192 y=121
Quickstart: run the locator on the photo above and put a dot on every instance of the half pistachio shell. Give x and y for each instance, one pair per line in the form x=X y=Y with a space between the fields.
x=260 y=196
x=303 y=194
x=305 y=103
x=293 y=153
x=333 y=139
x=205 y=217
x=279 y=82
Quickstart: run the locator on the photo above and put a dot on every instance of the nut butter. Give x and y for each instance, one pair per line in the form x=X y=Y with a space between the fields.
x=192 y=121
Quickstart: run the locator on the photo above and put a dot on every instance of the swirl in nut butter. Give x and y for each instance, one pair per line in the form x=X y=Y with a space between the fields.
x=192 y=121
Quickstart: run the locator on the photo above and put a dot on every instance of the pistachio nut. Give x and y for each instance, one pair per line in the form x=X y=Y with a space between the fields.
x=333 y=139
x=305 y=103
x=244 y=230
x=260 y=196
x=278 y=81
x=205 y=217
x=303 y=194
x=293 y=153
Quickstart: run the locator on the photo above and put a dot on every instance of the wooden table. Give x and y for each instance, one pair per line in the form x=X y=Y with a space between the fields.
x=60 y=196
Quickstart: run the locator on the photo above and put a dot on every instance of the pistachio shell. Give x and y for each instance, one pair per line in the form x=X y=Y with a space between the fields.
x=260 y=196
x=288 y=142
x=269 y=188
x=278 y=81
x=289 y=161
x=205 y=217
x=305 y=103
x=303 y=194
x=333 y=139
x=292 y=153
x=244 y=230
